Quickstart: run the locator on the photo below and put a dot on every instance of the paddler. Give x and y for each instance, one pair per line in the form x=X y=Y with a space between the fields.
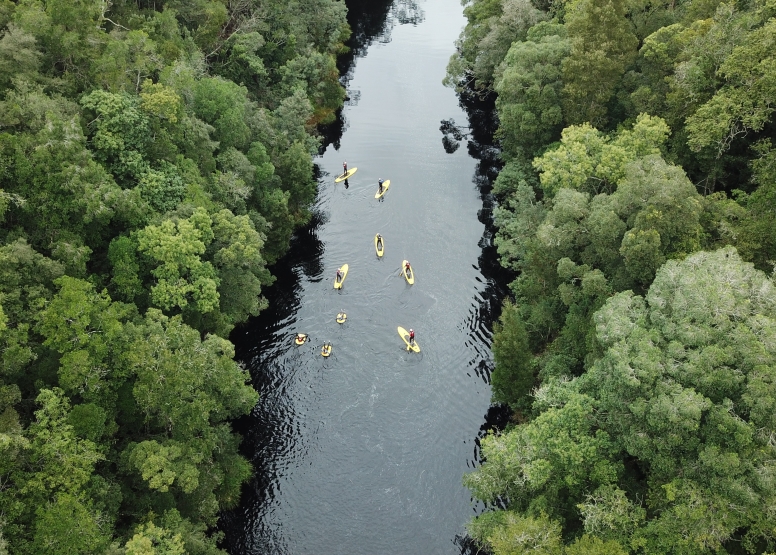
x=339 y=275
x=301 y=337
x=412 y=337
x=380 y=186
x=379 y=241
x=344 y=168
x=407 y=268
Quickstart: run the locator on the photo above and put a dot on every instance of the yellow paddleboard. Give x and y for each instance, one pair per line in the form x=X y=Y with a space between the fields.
x=386 y=184
x=405 y=335
x=325 y=351
x=409 y=275
x=338 y=284
x=296 y=340
x=341 y=318
x=380 y=249
x=344 y=176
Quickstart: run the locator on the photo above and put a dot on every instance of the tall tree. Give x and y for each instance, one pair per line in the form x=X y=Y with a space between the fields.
x=529 y=91
x=602 y=47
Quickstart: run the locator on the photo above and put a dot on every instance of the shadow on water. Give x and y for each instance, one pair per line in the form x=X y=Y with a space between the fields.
x=480 y=145
x=482 y=119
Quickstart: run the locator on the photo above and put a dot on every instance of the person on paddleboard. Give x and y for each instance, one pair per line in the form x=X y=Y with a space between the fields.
x=339 y=275
x=301 y=337
x=380 y=185
x=379 y=241
x=407 y=268
x=344 y=168
x=412 y=337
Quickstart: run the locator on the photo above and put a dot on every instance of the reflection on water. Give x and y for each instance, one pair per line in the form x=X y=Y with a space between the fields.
x=363 y=452
x=452 y=135
x=407 y=12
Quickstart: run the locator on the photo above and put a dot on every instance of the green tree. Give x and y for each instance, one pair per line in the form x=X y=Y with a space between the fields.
x=543 y=466
x=186 y=389
x=182 y=275
x=125 y=268
x=223 y=105
x=131 y=166
x=26 y=285
x=743 y=104
x=506 y=532
x=209 y=267
x=152 y=540
x=68 y=196
x=529 y=90
x=67 y=527
x=121 y=133
x=49 y=481
x=19 y=56
x=493 y=25
x=70 y=34
x=236 y=251
x=312 y=72
x=514 y=374
x=602 y=47
x=588 y=160
x=86 y=328
x=517 y=17
x=754 y=234
x=693 y=422
x=129 y=58
x=573 y=251
x=163 y=189
x=661 y=209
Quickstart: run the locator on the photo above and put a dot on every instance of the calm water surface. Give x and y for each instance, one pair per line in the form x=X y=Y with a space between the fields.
x=363 y=453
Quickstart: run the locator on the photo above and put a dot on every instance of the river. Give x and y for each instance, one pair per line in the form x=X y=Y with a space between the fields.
x=363 y=452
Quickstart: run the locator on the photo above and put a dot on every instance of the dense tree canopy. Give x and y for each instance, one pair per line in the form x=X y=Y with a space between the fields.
x=155 y=157
x=664 y=444
x=637 y=207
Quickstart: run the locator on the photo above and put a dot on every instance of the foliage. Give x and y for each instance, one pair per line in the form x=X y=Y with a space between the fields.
x=150 y=540
x=154 y=157
x=602 y=47
x=621 y=166
x=513 y=377
x=590 y=161
x=670 y=426
x=530 y=90
x=743 y=103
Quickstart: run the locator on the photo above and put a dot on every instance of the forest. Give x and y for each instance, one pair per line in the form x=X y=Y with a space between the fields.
x=155 y=158
x=637 y=204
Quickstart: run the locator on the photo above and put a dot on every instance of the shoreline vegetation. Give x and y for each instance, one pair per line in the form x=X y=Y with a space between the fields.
x=155 y=158
x=637 y=207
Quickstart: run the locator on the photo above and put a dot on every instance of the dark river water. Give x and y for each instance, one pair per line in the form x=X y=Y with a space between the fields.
x=363 y=452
